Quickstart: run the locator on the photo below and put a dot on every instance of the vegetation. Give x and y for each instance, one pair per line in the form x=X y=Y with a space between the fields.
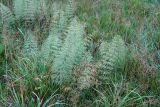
x=79 y=53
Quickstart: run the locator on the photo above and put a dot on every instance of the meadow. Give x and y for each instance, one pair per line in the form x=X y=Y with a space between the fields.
x=79 y=53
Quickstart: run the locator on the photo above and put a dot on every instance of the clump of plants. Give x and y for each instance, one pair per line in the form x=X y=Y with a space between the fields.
x=51 y=58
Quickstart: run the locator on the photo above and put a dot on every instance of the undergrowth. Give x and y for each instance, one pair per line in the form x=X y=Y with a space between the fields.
x=79 y=53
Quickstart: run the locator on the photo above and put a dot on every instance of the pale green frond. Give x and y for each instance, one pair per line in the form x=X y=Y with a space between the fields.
x=30 y=48
x=58 y=22
x=112 y=53
x=58 y=25
x=19 y=8
x=25 y=9
x=29 y=9
x=69 y=11
x=87 y=57
x=50 y=47
x=71 y=54
x=52 y=44
x=6 y=14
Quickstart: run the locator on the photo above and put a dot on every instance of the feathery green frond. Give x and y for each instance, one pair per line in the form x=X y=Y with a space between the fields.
x=61 y=17
x=29 y=9
x=87 y=57
x=69 y=9
x=25 y=9
x=50 y=47
x=6 y=14
x=30 y=48
x=18 y=8
x=59 y=22
x=53 y=43
x=71 y=54
x=112 y=53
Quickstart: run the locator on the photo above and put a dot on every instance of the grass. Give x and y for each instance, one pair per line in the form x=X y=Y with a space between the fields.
x=27 y=82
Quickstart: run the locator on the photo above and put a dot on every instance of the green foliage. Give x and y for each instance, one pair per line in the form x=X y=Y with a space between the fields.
x=30 y=48
x=69 y=11
x=52 y=44
x=47 y=50
x=29 y=10
x=113 y=54
x=25 y=9
x=18 y=8
x=6 y=14
x=71 y=53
